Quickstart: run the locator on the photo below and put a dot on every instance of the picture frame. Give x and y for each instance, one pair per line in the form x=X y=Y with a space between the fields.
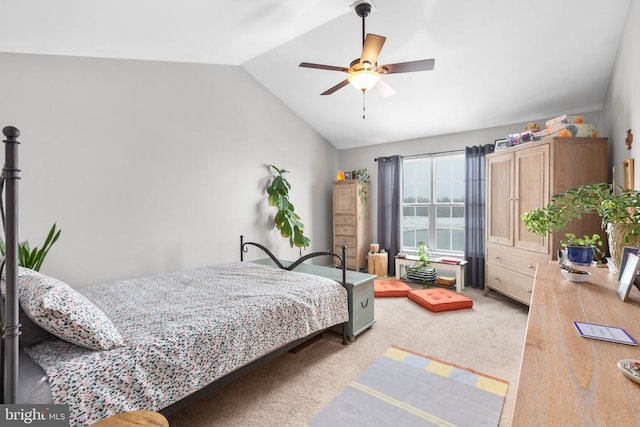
x=347 y=175
x=629 y=273
x=501 y=144
x=623 y=260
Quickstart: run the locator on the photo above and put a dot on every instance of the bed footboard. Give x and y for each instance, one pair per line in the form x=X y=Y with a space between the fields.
x=342 y=258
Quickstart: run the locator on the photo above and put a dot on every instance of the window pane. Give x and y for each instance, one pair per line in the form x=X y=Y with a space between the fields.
x=443 y=237
x=417 y=180
x=409 y=239
x=443 y=216
x=443 y=192
x=422 y=236
x=457 y=240
x=457 y=217
x=458 y=192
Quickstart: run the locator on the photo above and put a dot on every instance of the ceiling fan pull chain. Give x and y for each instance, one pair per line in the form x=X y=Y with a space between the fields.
x=363 y=108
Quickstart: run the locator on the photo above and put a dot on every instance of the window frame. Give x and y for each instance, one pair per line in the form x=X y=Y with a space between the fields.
x=432 y=207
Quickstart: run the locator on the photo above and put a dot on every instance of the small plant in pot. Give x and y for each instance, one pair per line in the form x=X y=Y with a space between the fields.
x=582 y=250
x=422 y=271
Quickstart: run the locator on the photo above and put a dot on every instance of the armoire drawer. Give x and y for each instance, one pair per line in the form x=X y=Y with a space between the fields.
x=512 y=284
x=510 y=259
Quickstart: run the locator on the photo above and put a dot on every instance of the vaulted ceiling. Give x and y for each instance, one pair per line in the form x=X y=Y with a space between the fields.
x=497 y=61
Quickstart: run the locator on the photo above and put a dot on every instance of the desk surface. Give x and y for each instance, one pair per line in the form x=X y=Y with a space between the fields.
x=569 y=380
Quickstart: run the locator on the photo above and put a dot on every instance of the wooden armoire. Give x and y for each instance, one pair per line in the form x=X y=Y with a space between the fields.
x=351 y=222
x=522 y=178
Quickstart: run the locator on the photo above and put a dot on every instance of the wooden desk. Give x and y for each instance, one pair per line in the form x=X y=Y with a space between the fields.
x=568 y=380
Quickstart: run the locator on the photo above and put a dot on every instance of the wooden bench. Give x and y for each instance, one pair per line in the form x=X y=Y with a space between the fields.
x=458 y=268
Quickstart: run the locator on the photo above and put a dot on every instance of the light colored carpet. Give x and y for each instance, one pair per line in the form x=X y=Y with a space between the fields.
x=405 y=389
x=290 y=390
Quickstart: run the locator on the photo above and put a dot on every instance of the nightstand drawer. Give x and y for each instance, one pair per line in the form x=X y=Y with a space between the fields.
x=363 y=313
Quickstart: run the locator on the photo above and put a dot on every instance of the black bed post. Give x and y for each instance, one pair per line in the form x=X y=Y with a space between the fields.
x=12 y=325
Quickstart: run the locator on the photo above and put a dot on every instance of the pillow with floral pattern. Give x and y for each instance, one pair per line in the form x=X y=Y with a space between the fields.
x=64 y=312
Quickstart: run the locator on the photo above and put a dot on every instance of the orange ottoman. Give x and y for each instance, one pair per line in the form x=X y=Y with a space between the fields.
x=390 y=288
x=437 y=299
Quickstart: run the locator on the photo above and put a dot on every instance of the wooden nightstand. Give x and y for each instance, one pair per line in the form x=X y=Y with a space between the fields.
x=359 y=290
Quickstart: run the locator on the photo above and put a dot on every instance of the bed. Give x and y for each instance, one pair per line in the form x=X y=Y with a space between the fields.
x=157 y=342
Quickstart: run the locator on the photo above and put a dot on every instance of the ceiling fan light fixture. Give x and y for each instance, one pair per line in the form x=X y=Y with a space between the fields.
x=363 y=80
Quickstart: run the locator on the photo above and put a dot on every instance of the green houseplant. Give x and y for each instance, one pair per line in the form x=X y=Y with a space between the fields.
x=286 y=219
x=620 y=218
x=34 y=257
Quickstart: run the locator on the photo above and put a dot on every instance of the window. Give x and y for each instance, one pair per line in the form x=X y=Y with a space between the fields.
x=433 y=203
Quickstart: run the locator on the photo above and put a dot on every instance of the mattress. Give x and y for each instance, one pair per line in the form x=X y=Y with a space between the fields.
x=183 y=331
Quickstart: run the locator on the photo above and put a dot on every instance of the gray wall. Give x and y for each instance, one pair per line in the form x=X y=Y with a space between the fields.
x=622 y=106
x=363 y=157
x=150 y=167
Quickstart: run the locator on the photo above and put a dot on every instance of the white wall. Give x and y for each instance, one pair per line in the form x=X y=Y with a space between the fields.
x=150 y=167
x=622 y=106
x=363 y=157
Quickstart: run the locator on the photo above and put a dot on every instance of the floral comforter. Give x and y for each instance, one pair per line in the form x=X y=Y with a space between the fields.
x=183 y=331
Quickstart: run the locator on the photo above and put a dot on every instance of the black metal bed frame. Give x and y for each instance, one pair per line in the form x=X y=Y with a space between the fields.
x=9 y=314
x=10 y=322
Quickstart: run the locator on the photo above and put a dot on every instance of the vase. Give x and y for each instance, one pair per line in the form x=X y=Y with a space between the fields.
x=581 y=255
x=619 y=236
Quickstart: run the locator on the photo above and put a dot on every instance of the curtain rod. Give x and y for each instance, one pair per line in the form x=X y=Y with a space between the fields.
x=428 y=154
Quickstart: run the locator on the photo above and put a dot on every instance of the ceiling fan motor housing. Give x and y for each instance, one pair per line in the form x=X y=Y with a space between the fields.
x=363 y=8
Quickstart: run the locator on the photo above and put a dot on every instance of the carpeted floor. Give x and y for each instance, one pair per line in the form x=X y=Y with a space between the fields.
x=292 y=389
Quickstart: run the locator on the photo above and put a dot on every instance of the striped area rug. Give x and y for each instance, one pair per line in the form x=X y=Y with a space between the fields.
x=402 y=388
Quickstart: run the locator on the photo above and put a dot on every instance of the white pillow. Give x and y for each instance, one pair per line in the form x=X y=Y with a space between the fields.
x=59 y=309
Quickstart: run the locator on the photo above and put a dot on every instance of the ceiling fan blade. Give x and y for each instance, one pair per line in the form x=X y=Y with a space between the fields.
x=323 y=67
x=407 y=67
x=371 y=49
x=383 y=89
x=336 y=87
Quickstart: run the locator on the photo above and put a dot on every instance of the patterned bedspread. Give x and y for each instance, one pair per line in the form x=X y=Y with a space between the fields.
x=184 y=330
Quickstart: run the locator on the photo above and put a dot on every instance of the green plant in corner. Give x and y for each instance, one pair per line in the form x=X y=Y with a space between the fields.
x=33 y=258
x=286 y=219
x=363 y=178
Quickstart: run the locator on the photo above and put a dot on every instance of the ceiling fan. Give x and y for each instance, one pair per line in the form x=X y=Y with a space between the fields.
x=364 y=73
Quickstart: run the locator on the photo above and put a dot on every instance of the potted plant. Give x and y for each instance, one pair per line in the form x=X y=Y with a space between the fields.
x=422 y=271
x=581 y=250
x=620 y=217
x=34 y=257
x=286 y=219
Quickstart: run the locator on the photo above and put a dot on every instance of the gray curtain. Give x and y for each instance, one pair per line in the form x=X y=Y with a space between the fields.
x=474 y=214
x=389 y=193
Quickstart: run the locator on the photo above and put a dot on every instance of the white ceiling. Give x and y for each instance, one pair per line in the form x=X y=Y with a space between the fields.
x=497 y=61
